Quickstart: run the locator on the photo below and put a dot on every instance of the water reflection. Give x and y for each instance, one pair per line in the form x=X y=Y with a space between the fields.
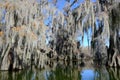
x=88 y=74
x=64 y=71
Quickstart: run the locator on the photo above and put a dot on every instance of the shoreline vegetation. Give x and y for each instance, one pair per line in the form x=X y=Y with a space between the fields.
x=26 y=40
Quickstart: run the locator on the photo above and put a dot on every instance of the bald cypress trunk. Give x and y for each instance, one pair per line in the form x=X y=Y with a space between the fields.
x=114 y=49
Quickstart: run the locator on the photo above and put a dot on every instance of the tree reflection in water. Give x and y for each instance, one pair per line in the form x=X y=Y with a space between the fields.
x=114 y=73
x=64 y=71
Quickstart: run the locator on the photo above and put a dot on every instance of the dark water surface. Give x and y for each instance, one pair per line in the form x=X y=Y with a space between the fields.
x=64 y=71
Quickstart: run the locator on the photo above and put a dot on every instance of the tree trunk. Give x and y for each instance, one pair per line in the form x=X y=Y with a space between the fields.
x=113 y=52
x=5 y=63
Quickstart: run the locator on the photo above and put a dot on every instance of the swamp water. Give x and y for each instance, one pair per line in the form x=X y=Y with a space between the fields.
x=64 y=71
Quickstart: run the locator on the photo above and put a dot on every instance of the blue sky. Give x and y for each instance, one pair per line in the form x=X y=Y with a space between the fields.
x=61 y=3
